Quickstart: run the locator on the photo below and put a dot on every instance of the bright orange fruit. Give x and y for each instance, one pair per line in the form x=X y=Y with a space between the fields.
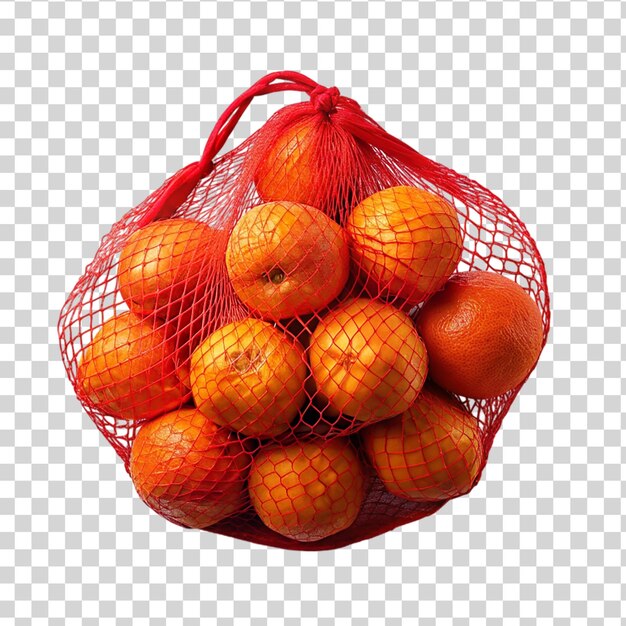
x=286 y=259
x=250 y=377
x=312 y=161
x=433 y=451
x=367 y=360
x=127 y=370
x=483 y=333
x=307 y=490
x=161 y=267
x=286 y=173
x=186 y=468
x=407 y=242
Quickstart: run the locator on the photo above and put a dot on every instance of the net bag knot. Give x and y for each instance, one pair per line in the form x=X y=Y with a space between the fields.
x=325 y=99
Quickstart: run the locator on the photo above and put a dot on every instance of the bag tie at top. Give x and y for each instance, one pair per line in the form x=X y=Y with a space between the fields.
x=325 y=99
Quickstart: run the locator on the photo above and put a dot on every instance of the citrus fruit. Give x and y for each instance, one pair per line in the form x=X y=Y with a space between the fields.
x=433 y=451
x=314 y=162
x=250 y=377
x=307 y=490
x=286 y=259
x=286 y=174
x=367 y=360
x=162 y=264
x=406 y=241
x=186 y=468
x=127 y=370
x=483 y=333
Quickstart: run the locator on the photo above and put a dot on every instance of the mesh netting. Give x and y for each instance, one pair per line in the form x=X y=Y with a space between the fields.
x=301 y=343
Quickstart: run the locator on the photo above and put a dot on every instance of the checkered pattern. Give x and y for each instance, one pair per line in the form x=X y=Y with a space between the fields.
x=100 y=100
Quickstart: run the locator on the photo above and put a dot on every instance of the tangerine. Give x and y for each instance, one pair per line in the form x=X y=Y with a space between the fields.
x=286 y=259
x=483 y=334
x=127 y=371
x=186 y=468
x=312 y=161
x=162 y=264
x=307 y=490
x=367 y=360
x=433 y=451
x=406 y=241
x=250 y=377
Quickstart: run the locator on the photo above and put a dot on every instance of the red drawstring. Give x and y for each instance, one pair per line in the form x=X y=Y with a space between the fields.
x=325 y=99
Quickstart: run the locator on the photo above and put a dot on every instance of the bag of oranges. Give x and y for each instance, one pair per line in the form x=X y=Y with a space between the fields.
x=311 y=339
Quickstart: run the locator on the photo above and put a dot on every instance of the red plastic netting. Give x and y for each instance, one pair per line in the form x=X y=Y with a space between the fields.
x=266 y=339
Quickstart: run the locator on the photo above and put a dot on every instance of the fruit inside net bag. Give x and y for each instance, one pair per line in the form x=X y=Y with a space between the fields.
x=311 y=339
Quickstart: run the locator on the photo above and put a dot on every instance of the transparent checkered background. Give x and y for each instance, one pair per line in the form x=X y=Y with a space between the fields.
x=99 y=101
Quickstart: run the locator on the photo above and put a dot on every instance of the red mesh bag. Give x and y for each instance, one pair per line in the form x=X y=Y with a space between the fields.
x=311 y=339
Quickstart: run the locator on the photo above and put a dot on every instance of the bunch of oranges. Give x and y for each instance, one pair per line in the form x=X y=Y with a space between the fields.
x=386 y=335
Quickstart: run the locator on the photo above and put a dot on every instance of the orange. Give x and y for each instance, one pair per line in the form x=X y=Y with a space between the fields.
x=367 y=360
x=407 y=242
x=307 y=490
x=186 y=468
x=286 y=172
x=433 y=451
x=250 y=377
x=162 y=265
x=286 y=259
x=312 y=161
x=483 y=333
x=127 y=370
